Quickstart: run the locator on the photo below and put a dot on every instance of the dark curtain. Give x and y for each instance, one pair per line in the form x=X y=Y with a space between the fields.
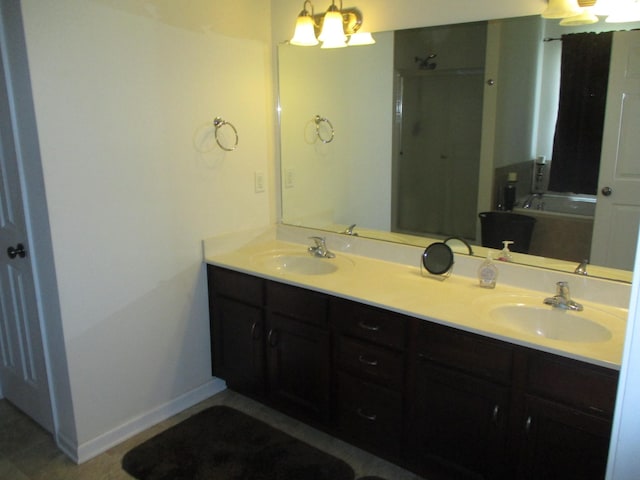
x=584 y=76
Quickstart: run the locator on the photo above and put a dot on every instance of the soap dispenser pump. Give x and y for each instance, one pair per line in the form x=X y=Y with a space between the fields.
x=487 y=273
x=505 y=253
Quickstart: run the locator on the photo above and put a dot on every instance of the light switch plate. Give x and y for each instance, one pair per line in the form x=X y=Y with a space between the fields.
x=258 y=178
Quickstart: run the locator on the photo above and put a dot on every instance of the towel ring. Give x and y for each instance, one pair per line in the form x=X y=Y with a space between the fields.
x=218 y=123
x=319 y=120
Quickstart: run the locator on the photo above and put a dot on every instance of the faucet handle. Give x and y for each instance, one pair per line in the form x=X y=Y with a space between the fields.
x=319 y=241
x=562 y=290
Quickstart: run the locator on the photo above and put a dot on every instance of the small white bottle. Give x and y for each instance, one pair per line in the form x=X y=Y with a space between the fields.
x=505 y=253
x=488 y=273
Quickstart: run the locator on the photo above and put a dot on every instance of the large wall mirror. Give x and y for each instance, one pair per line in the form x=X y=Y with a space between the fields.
x=411 y=138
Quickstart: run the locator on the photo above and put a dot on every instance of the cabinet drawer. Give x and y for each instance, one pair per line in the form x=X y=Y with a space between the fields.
x=369 y=323
x=370 y=361
x=585 y=386
x=369 y=413
x=295 y=302
x=464 y=351
x=239 y=286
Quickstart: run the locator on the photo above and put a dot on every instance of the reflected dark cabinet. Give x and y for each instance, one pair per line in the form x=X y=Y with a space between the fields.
x=445 y=403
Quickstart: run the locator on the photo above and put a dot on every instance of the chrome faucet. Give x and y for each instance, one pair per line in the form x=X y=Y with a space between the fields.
x=349 y=230
x=562 y=298
x=582 y=268
x=320 y=248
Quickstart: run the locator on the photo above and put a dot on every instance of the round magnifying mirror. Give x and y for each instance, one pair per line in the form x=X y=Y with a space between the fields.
x=437 y=258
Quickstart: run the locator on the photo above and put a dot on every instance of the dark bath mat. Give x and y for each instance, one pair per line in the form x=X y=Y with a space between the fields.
x=221 y=443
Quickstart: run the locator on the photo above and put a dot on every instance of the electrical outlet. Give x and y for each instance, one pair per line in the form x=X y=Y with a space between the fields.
x=289 y=178
x=258 y=182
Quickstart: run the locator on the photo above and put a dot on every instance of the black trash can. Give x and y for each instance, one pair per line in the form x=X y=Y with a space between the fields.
x=496 y=227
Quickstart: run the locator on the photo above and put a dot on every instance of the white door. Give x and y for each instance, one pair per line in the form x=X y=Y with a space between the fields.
x=23 y=375
x=615 y=230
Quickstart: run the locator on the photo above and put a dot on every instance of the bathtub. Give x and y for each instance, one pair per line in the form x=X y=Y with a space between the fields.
x=558 y=203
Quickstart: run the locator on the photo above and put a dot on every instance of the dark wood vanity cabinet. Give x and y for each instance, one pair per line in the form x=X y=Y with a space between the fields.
x=297 y=351
x=369 y=358
x=237 y=330
x=440 y=401
x=566 y=422
x=459 y=403
x=270 y=341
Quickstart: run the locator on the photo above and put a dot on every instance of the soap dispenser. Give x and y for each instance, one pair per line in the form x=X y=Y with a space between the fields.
x=488 y=273
x=505 y=253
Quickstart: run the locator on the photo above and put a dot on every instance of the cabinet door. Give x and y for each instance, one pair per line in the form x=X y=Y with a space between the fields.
x=563 y=443
x=298 y=367
x=238 y=345
x=458 y=420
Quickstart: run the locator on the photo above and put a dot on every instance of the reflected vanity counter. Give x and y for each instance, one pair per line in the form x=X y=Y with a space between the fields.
x=387 y=275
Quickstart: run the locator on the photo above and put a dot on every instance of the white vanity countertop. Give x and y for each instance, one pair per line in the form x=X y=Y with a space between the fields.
x=399 y=286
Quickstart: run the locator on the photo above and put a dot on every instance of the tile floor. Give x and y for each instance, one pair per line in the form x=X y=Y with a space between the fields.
x=28 y=453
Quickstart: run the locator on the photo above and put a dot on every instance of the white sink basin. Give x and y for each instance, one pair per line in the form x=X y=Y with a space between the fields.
x=301 y=263
x=530 y=316
x=549 y=322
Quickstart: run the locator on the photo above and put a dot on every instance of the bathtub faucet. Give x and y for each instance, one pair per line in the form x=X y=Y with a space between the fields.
x=537 y=197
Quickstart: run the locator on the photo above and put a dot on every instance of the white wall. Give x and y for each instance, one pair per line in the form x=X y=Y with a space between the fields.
x=120 y=90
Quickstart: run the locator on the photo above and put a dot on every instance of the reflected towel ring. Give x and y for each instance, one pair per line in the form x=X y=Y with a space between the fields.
x=319 y=120
x=218 y=123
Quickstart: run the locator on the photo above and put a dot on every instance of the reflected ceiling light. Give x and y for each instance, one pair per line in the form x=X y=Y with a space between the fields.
x=334 y=27
x=361 y=38
x=585 y=12
x=562 y=9
x=587 y=17
x=603 y=7
x=624 y=11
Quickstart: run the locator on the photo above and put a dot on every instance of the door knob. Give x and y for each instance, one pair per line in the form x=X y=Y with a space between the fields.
x=606 y=191
x=18 y=251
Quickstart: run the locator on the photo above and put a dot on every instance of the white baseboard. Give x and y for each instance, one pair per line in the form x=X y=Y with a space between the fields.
x=88 y=450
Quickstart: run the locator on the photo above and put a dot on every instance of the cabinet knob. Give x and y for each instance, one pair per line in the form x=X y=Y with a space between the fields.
x=255 y=332
x=17 y=251
x=527 y=425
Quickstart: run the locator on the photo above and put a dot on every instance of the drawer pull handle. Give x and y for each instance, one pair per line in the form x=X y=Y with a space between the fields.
x=371 y=363
x=527 y=425
x=372 y=418
x=366 y=326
